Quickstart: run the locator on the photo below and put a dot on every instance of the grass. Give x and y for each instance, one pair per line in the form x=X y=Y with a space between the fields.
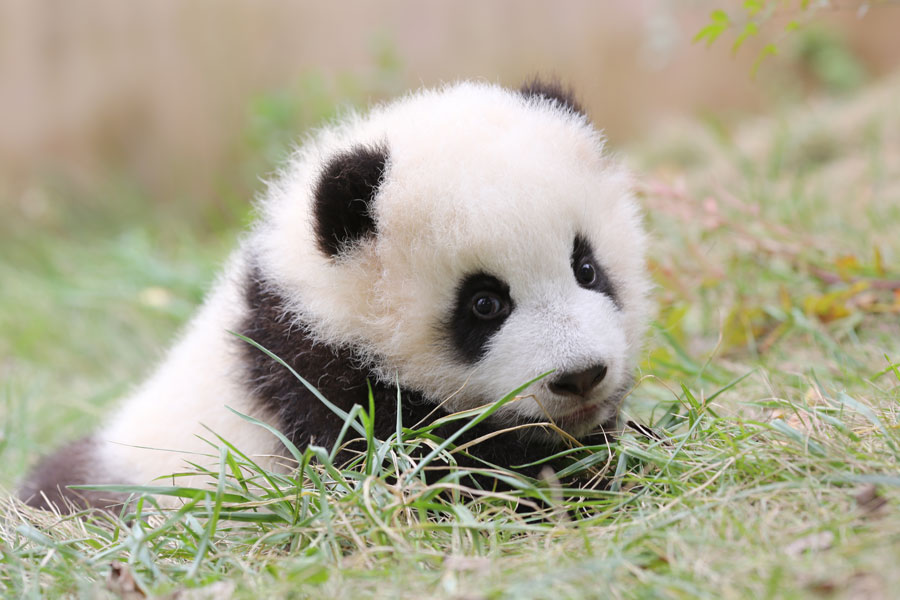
x=771 y=384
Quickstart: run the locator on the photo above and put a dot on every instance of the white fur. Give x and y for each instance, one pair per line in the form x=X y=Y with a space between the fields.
x=165 y=422
x=478 y=178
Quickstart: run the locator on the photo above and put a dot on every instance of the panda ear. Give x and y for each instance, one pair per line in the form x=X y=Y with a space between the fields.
x=552 y=90
x=342 y=204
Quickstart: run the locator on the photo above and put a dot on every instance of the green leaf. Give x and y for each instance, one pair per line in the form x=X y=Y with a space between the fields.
x=159 y=490
x=710 y=32
x=209 y=532
x=356 y=412
x=753 y=6
x=295 y=452
x=719 y=23
x=768 y=50
x=804 y=440
x=39 y=538
x=332 y=407
x=485 y=412
x=870 y=415
x=749 y=29
x=719 y=16
x=891 y=368
x=583 y=464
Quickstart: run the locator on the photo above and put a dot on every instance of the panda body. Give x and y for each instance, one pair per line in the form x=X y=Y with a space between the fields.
x=457 y=242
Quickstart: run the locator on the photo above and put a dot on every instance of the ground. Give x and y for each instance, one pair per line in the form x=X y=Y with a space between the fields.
x=771 y=390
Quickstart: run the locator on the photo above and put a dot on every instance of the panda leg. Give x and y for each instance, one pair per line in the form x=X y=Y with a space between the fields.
x=76 y=463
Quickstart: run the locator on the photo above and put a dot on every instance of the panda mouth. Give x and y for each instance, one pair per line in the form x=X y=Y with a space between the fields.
x=598 y=413
x=578 y=416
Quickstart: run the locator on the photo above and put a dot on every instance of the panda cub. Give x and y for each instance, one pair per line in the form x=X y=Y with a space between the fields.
x=457 y=242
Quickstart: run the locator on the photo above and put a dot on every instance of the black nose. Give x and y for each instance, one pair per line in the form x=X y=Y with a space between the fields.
x=579 y=383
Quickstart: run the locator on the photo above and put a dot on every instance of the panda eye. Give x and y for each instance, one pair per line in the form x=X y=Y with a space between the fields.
x=589 y=273
x=482 y=304
x=586 y=274
x=486 y=305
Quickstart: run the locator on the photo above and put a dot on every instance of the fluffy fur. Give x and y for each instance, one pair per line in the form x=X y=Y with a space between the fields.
x=458 y=241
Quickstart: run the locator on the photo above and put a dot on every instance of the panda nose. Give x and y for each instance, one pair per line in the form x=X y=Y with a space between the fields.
x=578 y=383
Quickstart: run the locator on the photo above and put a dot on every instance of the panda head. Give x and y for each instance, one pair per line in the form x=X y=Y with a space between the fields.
x=463 y=241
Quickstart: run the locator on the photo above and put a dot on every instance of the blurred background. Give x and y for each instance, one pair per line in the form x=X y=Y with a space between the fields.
x=188 y=102
x=134 y=135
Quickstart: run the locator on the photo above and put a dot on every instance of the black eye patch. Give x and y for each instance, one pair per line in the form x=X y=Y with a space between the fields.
x=588 y=272
x=482 y=305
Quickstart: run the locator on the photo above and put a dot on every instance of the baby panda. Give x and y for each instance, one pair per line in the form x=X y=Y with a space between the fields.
x=457 y=243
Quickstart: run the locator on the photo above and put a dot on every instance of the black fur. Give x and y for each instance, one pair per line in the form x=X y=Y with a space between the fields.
x=333 y=371
x=73 y=464
x=581 y=252
x=552 y=90
x=343 y=197
x=300 y=415
x=469 y=333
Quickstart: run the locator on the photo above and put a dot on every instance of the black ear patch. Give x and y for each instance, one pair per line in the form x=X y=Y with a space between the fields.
x=552 y=90
x=343 y=197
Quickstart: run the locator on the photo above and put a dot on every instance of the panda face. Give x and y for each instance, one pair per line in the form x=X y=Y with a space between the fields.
x=569 y=324
x=463 y=242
